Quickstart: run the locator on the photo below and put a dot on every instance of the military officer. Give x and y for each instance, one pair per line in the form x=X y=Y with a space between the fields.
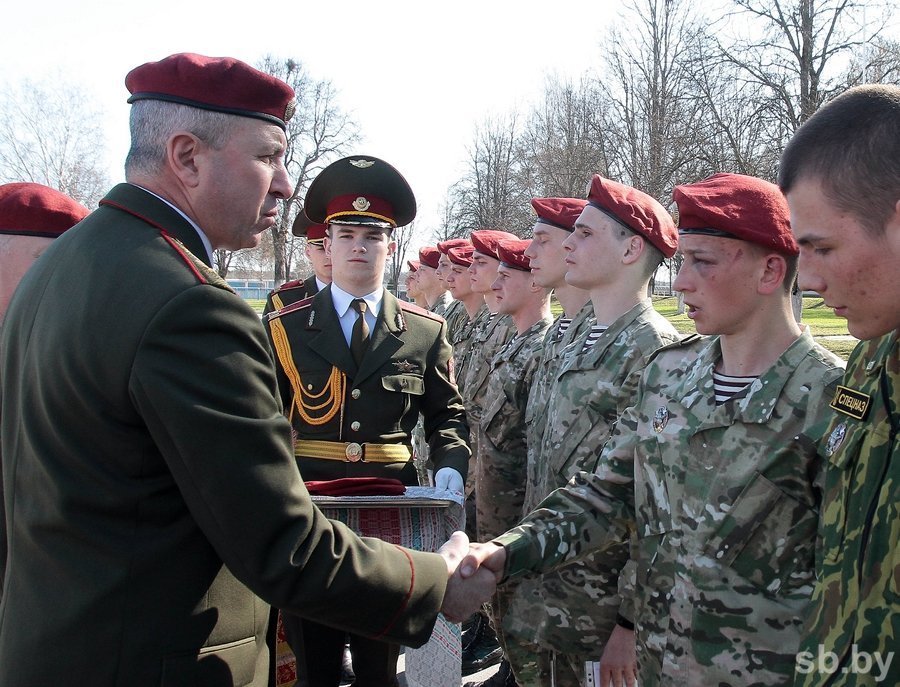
x=150 y=489
x=841 y=175
x=298 y=289
x=31 y=216
x=714 y=468
x=356 y=366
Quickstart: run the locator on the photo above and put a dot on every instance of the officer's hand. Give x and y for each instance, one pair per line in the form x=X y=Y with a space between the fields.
x=463 y=596
x=448 y=479
x=618 y=666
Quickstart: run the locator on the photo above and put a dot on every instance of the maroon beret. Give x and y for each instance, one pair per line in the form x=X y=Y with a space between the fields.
x=429 y=256
x=636 y=210
x=413 y=265
x=461 y=255
x=512 y=254
x=223 y=84
x=558 y=212
x=736 y=206
x=487 y=240
x=444 y=246
x=304 y=226
x=36 y=210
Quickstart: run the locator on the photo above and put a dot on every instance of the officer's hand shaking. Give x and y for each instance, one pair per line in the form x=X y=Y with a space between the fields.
x=484 y=557
x=464 y=596
x=448 y=479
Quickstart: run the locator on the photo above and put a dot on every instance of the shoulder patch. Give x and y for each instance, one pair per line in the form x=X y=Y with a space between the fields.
x=416 y=310
x=288 y=309
x=293 y=284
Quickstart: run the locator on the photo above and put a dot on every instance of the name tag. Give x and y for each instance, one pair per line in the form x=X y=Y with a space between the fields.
x=851 y=402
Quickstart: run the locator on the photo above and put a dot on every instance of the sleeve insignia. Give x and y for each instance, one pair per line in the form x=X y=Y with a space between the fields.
x=660 y=419
x=835 y=439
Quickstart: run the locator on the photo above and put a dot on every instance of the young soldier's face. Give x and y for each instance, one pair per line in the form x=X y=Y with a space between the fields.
x=443 y=270
x=854 y=270
x=512 y=289
x=483 y=272
x=547 y=255
x=458 y=281
x=319 y=260
x=594 y=250
x=358 y=255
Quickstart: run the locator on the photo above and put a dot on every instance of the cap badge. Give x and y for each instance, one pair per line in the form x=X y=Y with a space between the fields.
x=660 y=419
x=362 y=164
x=835 y=439
x=405 y=366
x=361 y=204
x=290 y=110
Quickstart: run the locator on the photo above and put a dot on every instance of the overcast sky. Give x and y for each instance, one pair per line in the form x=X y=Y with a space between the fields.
x=417 y=76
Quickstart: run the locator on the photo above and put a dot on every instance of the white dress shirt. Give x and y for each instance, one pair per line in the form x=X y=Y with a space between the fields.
x=347 y=315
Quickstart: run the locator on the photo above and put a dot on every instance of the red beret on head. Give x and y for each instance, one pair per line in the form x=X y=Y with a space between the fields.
x=487 y=240
x=429 y=256
x=35 y=210
x=636 y=210
x=413 y=265
x=512 y=254
x=736 y=206
x=304 y=226
x=444 y=246
x=461 y=255
x=223 y=84
x=558 y=212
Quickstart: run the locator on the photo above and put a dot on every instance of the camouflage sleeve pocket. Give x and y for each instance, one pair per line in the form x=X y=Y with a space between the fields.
x=768 y=537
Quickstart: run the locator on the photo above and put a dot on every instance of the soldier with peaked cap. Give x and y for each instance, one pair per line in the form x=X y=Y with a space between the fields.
x=356 y=367
x=31 y=216
x=298 y=289
x=714 y=468
x=150 y=490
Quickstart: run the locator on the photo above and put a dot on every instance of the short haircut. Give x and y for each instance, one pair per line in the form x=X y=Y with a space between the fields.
x=154 y=121
x=851 y=146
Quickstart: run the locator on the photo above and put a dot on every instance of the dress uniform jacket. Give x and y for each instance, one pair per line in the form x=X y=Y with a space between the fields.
x=724 y=500
x=404 y=372
x=149 y=481
x=856 y=603
x=291 y=292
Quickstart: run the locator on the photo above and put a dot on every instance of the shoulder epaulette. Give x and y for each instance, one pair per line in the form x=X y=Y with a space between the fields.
x=286 y=310
x=201 y=270
x=691 y=341
x=293 y=284
x=416 y=310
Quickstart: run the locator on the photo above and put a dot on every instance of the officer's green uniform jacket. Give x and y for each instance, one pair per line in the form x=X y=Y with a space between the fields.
x=405 y=371
x=724 y=501
x=290 y=292
x=856 y=603
x=579 y=603
x=148 y=476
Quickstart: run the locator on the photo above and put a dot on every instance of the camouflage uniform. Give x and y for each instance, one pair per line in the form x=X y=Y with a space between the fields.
x=856 y=603
x=463 y=338
x=723 y=500
x=573 y=610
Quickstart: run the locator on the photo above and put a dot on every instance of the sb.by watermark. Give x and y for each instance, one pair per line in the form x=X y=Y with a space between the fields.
x=858 y=662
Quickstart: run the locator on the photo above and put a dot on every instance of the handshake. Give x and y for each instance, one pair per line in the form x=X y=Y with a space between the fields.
x=473 y=572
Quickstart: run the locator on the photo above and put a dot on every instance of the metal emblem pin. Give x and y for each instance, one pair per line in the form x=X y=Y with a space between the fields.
x=353 y=452
x=312 y=318
x=362 y=164
x=835 y=439
x=660 y=419
x=361 y=204
x=404 y=366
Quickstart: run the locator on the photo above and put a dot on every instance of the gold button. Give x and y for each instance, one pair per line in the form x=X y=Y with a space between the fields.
x=354 y=393
x=354 y=426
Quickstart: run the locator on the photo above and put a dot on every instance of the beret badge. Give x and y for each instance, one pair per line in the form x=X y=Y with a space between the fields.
x=290 y=110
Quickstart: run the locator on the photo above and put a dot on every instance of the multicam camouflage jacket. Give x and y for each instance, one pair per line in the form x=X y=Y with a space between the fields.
x=724 y=502
x=455 y=315
x=487 y=342
x=856 y=603
x=462 y=341
x=577 y=604
x=500 y=467
x=555 y=343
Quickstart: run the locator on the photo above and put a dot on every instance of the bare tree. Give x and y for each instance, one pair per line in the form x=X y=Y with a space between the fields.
x=402 y=236
x=878 y=62
x=49 y=134
x=319 y=132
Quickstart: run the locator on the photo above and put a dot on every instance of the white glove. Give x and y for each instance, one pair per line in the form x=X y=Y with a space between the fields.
x=448 y=479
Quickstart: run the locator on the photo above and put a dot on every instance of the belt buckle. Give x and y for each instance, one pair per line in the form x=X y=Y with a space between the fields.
x=353 y=452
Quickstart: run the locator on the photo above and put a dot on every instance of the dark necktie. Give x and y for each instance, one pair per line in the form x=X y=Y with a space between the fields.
x=359 y=337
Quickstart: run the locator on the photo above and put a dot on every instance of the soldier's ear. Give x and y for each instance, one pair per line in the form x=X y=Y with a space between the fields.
x=392 y=246
x=184 y=155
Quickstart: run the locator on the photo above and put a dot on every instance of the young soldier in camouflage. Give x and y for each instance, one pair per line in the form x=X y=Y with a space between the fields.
x=455 y=314
x=713 y=468
x=841 y=174
x=620 y=238
x=500 y=468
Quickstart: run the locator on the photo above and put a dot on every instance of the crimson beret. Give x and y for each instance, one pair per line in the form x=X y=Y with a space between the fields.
x=636 y=210
x=361 y=189
x=413 y=265
x=461 y=255
x=222 y=84
x=444 y=246
x=512 y=254
x=429 y=256
x=558 y=212
x=304 y=226
x=32 y=209
x=738 y=206
x=487 y=240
